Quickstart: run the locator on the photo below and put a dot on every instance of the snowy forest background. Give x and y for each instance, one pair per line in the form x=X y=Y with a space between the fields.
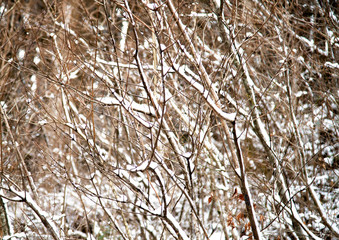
x=169 y=119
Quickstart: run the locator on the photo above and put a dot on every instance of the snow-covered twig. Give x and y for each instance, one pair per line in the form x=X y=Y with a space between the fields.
x=42 y=215
x=205 y=94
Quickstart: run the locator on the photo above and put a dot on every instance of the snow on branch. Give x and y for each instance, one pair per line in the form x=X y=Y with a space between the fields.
x=42 y=215
x=204 y=93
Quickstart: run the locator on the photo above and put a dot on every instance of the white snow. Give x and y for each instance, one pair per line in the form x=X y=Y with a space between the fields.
x=177 y=226
x=3 y=9
x=332 y=65
x=42 y=122
x=124 y=30
x=206 y=95
x=34 y=83
x=36 y=60
x=36 y=209
x=15 y=236
x=21 y=54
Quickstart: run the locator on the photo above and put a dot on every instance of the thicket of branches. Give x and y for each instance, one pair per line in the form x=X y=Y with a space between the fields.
x=169 y=119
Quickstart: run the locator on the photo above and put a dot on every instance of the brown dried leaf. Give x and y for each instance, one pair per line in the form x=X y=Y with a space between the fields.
x=240 y=216
x=261 y=218
x=230 y=221
x=210 y=199
x=248 y=226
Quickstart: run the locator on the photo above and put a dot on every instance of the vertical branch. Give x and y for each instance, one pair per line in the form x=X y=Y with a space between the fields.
x=158 y=110
x=28 y=175
x=299 y=227
x=204 y=76
x=4 y=224
x=301 y=152
x=245 y=188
